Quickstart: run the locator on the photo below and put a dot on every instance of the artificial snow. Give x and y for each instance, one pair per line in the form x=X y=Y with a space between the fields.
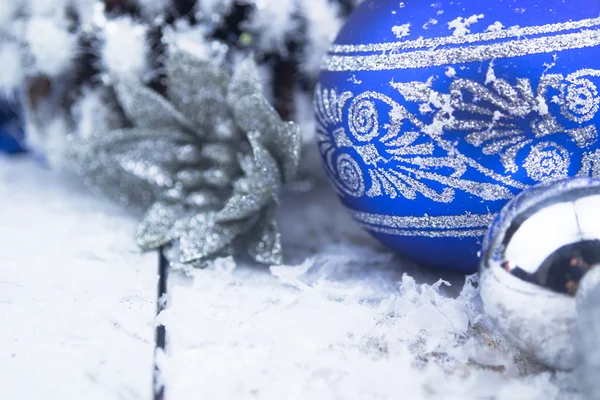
x=401 y=31
x=45 y=7
x=495 y=27
x=460 y=26
x=274 y=19
x=8 y=10
x=125 y=51
x=52 y=46
x=343 y=319
x=323 y=23
x=12 y=72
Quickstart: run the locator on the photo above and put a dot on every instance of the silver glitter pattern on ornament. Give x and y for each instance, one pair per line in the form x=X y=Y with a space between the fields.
x=499 y=119
x=430 y=52
x=206 y=163
x=519 y=32
x=539 y=258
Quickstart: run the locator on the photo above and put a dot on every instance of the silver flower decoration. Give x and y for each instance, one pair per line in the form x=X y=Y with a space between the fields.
x=207 y=162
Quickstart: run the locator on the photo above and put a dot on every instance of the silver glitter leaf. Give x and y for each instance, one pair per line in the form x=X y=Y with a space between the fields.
x=109 y=140
x=102 y=174
x=213 y=155
x=205 y=238
x=260 y=187
x=220 y=154
x=202 y=199
x=145 y=154
x=197 y=88
x=254 y=113
x=129 y=165
x=144 y=169
x=158 y=222
x=264 y=245
x=146 y=108
x=283 y=139
x=267 y=173
x=245 y=81
x=289 y=143
x=242 y=206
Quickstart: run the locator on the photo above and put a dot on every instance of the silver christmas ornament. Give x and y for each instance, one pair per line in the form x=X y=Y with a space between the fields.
x=207 y=161
x=539 y=264
x=587 y=336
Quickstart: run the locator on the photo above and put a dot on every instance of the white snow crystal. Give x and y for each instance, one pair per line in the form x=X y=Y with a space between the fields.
x=354 y=79
x=401 y=30
x=49 y=140
x=425 y=108
x=495 y=27
x=450 y=72
x=92 y=113
x=208 y=8
x=490 y=76
x=461 y=25
x=125 y=49
x=542 y=105
x=12 y=72
x=272 y=20
x=89 y=12
x=46 y=7
x=153 y=8
x=322 y=25
x=432 y=21
x=514 y=30
x=8 y=8
x=51 y=45
x=191 y=39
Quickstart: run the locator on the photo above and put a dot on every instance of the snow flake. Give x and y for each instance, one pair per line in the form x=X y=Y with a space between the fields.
x=461 y=25
x=401 y=30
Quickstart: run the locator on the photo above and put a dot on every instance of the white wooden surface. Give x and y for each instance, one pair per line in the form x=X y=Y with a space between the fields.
x=77 y=299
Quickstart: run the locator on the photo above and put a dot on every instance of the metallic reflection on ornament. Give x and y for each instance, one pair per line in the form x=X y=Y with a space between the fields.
x=539 y=261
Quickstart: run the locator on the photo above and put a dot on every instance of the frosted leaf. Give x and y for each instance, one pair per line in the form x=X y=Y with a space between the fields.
x=289 y=141
x=109 y=139
x=154 y=229
x=146 y=108
x=267 y=173
x=245 y=81
x=197 y=88
x=241 y=206
x=283 y=140
x=255 y=191
x=204 y=238
x=216 y=178
x=264 y=245
x=52 y=46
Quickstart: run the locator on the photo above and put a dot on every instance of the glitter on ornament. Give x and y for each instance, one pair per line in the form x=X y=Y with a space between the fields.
x=447 y=123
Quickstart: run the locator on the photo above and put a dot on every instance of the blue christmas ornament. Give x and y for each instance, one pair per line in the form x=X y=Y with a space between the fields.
x=431 y=115
x=11 y=129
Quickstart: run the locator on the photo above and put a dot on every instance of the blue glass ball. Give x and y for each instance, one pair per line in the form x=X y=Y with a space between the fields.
x=431 y=115
x=11 y=129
